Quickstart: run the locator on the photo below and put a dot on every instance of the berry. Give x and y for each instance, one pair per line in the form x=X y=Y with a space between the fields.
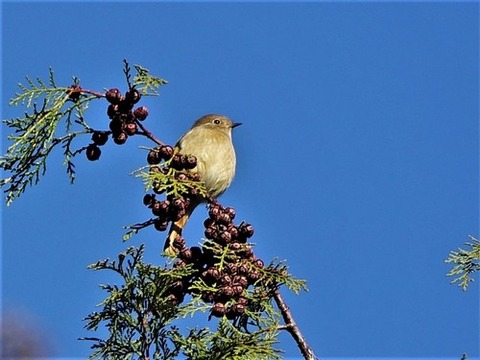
x=178 y=203
x=214 y=213
x=218 y=309
x=242 y=269
x=115 y=126
x=100 y=137
x=237 y=289
x=132 y=96
x=233 y=230
x=153 y=157
x=160 y=208
x=246 y=230
x=227 y=291
x=210 y=233
x=125 y=115
x=112 y=111
x=178 y=162
x=165 y=152
x=224 y=217
x=130 y=128
x=181 y=177
x=208 y=222
x=190 y=162
x=140 y=113
x=238 y=308
x=74 y=92
x=248 y=253
x=225 y=237
x=241 y=280
x=231 y=212
x=148 y=199
x=179 y=243
x=93 y=152
x=235 y=246
x=120 y=138
x=196 y=253
x=231 y=268
x=212 y=273
x=113 y=96
x=258 y=263
x=208 y=297
x=253 y=277
x=181 y=213
x=226 y=280
x=160 y=224
x=243 y=301
x=186 y=254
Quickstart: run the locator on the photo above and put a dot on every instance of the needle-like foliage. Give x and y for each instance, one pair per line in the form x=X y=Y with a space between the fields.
x=221 y=280
x=466 y=263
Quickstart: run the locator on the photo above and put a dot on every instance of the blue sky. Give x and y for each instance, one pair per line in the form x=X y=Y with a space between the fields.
x=357 y=158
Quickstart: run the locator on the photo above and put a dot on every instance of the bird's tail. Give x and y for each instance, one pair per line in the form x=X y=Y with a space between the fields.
x=176 y=230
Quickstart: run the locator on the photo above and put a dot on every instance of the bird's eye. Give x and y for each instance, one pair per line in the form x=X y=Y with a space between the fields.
x=216 y=121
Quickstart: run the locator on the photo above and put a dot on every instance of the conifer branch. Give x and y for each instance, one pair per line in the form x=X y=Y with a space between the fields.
x=49 y=105
x=221 y=279
x=466 y=263
x=292 y=328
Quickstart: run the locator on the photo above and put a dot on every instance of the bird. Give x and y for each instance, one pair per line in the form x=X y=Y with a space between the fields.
x=210 y=141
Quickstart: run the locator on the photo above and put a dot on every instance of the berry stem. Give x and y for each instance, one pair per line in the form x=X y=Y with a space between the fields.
x=75 y=89
x=141 y=226
x=94 y=93
x=148 y=134
x=292 y=328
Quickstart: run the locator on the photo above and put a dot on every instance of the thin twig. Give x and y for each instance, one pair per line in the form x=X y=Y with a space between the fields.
x=148 y=134
x=292 y=327
x=92 y=92
x=141 y=226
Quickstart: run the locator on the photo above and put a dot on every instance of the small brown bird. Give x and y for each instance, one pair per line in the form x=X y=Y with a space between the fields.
x=210 y=141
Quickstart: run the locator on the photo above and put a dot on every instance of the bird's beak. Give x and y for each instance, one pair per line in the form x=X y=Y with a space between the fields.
x=236 y=124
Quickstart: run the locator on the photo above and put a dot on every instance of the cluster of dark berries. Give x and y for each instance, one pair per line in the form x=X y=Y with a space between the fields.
x=159 y=154
x=122 y=115
x=219 y=228
x=239 y=269
x=99 y=138
x=178 y=162
x=170 y=209
x=123 y=119
x=183 y=162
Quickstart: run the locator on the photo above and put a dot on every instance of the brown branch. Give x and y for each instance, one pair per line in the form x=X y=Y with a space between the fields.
x=92 y=92
x=141 y=226
x=292 y=327
x=148 y=134
x=75 y=91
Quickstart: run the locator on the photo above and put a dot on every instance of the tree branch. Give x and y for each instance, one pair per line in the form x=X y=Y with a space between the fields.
x=292 y=327
x=148 y=133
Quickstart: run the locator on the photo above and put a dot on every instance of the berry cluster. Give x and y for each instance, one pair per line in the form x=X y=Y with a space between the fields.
x=228 y=280
x=156 y=155
x=123 y=120
x=170 y=209
x=123 y=117
x=178 y=161
x=99 y=138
